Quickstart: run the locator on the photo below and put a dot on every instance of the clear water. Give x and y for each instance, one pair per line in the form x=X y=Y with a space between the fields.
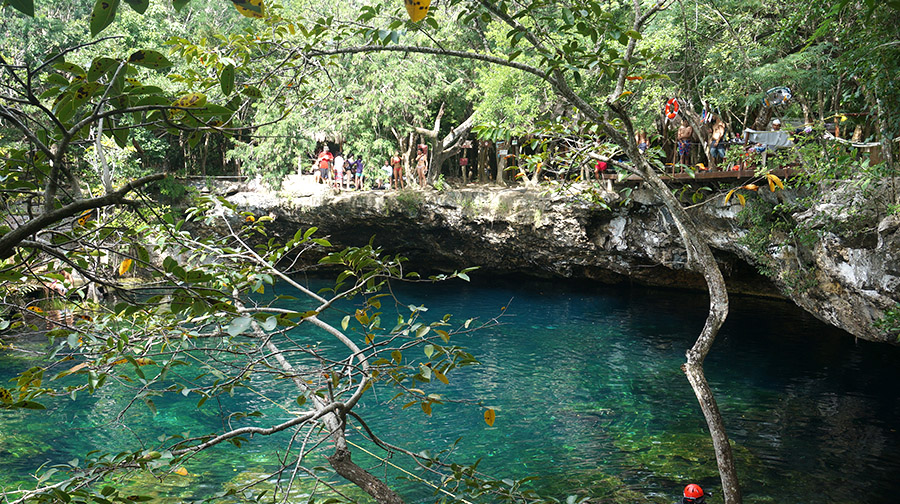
x=589 y=396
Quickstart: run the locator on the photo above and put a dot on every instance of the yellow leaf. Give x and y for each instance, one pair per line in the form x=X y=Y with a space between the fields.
x=729 y=195
x=76 y=368
x=124 y=267
x=440 y=376
x=417 y=9
x=143 y=361
x=190 y=100
x=181 y=471
x=85 y=216
x=262 y=289
x=426 y=407
x=777 y=181
x=35 y=309
x=742 y=199
x=489 y=417
x=751 y=187
x=250 y=8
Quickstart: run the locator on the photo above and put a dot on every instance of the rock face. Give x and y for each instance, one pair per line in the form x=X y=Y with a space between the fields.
x=844 y=270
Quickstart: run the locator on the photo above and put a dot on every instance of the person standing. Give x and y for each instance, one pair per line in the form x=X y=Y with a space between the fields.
x=388 y=171
x=422 y=164
x=338 y=171
x=717 y=142
x=396 y=164
x=358 y=171
x=685 y=133
x=323 y=162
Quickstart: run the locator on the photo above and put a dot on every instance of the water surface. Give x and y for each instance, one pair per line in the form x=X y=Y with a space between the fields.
x=588 y=393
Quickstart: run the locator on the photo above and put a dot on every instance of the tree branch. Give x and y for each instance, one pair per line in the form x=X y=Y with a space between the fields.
x=11 y=240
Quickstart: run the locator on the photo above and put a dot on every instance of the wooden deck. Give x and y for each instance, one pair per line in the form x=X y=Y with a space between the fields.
x=706 y=175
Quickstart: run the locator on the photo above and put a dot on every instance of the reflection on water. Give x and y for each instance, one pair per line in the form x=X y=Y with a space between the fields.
x=586 y=383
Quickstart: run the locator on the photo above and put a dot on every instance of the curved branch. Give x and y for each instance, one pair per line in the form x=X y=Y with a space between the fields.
x=436 y=51
x=313 y=415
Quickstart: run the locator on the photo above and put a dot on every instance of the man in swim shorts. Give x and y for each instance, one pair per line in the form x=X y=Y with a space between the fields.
x=685 y=132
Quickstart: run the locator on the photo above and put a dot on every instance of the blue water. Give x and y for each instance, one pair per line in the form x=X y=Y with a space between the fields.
x=589 y=397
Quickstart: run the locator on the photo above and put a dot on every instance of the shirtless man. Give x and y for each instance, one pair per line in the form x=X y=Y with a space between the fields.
x=717 y=141
x=685 y=132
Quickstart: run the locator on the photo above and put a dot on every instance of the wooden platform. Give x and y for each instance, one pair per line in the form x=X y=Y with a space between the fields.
x=706 y=175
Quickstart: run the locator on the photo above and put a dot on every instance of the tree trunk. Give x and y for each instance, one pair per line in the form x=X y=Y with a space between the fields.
x=501 y=162
x=373 y=486
x=887 y=146
x=203 y=153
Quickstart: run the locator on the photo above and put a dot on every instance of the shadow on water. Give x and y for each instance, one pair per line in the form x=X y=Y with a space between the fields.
x=588 y=391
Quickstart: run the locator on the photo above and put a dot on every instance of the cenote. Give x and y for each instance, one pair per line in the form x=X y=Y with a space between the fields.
x=589 y=396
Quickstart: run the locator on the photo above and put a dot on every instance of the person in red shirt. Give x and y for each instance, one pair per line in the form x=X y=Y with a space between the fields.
x=323 y=163
x=600 y=169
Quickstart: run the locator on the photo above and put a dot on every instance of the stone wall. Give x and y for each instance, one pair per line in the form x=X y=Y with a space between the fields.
x=847 y=274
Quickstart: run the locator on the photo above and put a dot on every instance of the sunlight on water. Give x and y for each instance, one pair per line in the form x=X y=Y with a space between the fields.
x=587 y=386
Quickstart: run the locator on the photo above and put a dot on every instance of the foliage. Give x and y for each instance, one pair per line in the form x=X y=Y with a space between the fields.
x=890 y=322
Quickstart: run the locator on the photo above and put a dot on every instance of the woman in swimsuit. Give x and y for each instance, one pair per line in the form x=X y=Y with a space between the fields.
x=422 y=164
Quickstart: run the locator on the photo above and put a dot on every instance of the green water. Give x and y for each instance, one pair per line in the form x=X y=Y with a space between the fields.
x=589 y=397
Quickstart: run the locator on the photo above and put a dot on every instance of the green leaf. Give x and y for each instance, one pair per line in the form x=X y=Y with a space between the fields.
x=24 y=6
x=179 y=4
x=429 y=350
x=28 y=405
x=139 y=6
x=99 y=67
x=397 y=356
x=238 y=325
x=251 y=91
x=269 y=324
x=149 y=59
x=227 y=80
x=345 y=322
x=70 y=68
x=103 y=14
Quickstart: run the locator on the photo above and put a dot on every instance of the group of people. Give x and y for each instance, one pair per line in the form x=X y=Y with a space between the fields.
x=718 y=141
x=338 y=171
x=348 y=173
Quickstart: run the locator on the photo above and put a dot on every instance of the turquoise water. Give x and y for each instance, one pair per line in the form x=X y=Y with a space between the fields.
x=589 y=397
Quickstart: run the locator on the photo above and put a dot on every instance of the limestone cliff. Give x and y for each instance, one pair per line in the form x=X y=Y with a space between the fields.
x=843 y=267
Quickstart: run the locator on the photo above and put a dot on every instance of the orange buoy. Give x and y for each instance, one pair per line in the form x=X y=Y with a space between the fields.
x=671 y=108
